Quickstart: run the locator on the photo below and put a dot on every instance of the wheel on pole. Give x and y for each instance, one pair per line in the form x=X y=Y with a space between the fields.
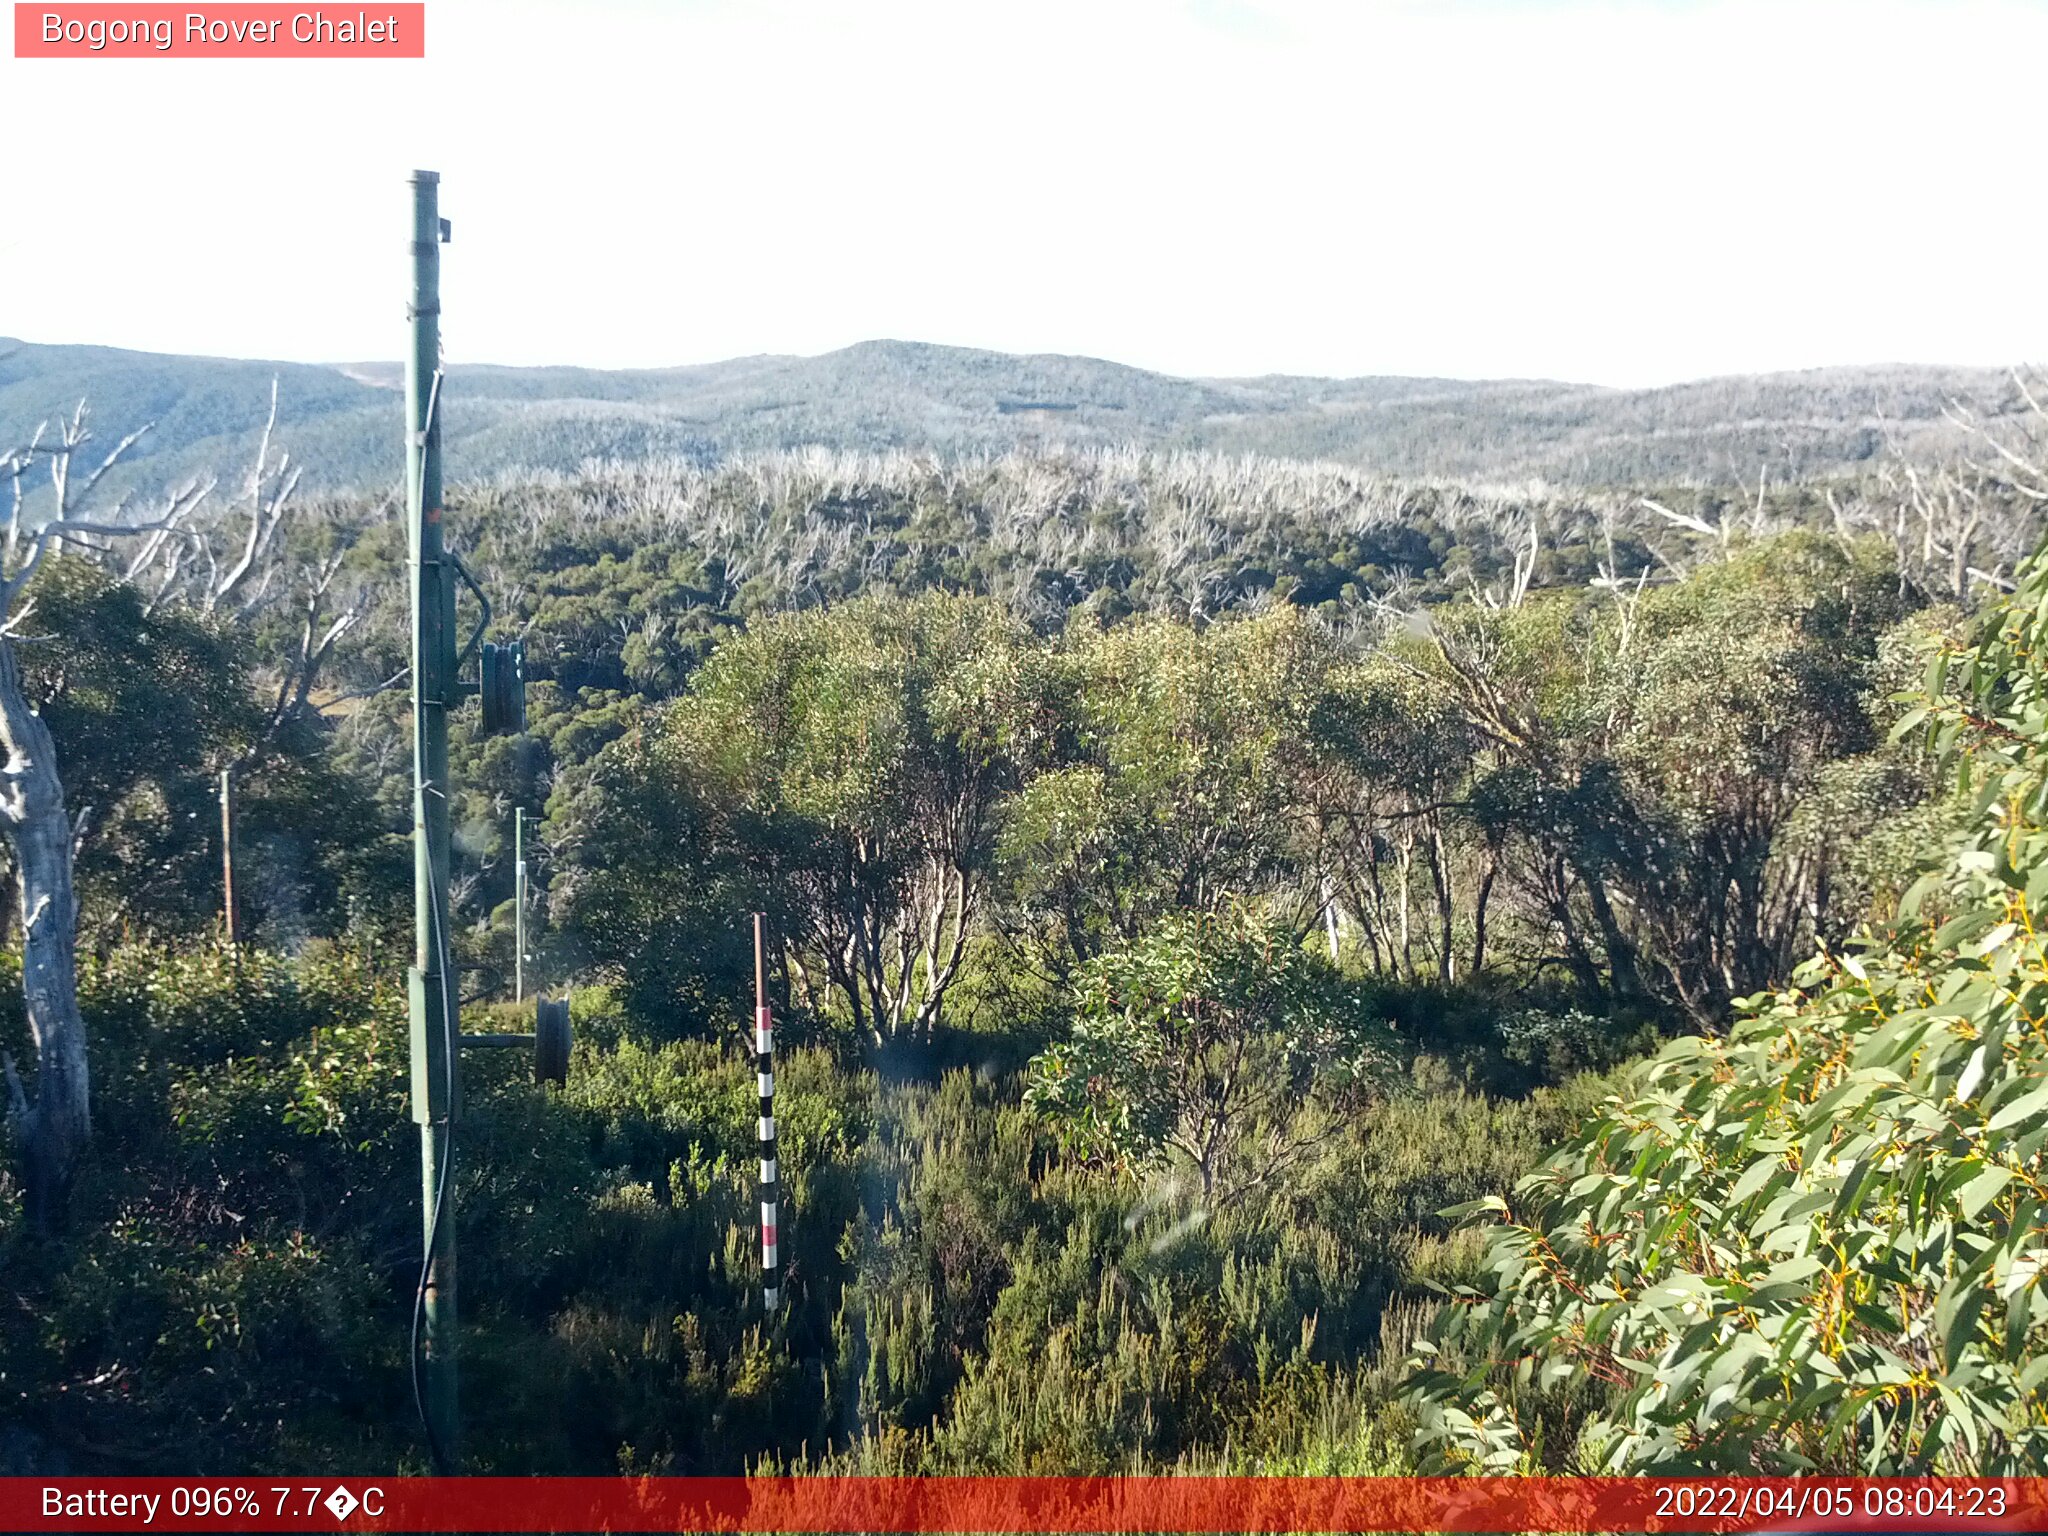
x=551 y=1041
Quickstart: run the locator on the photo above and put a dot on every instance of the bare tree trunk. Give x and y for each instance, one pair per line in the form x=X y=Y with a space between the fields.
x=1558 y=894
x=1621 y=954
x=1440 y=877
x=1406 y=846
x=1479 y=912
x=53 y=1131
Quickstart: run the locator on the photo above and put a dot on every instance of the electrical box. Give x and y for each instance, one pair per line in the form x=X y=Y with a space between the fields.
x=551 y=1040
x=502 y=688
x=431 y=1080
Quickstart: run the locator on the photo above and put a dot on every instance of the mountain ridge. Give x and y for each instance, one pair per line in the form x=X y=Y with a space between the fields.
x=339 y=419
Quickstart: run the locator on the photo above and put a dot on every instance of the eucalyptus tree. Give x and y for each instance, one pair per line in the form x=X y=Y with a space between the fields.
x=1814 y=1245
x=1381 y=788
x=849 y=765
x=1645 y=762
x=1170 y=787
x=1740 y=688
x=1215 y=1041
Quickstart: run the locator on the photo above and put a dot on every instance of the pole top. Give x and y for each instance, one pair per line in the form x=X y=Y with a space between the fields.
x=424 y=177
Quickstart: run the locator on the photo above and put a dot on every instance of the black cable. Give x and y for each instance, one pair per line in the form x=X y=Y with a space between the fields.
x=436 y=1453
x=450 y=1022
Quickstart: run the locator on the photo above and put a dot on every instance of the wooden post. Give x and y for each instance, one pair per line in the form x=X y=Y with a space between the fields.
x=230 y=925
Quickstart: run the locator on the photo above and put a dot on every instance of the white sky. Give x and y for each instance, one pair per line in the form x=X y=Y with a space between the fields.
x=1624 y=193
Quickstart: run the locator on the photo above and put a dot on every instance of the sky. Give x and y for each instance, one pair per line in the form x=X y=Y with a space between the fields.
x=1627 y=193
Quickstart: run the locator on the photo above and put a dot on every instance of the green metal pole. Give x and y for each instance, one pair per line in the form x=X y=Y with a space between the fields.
x=436 y=1087
x=519 y=904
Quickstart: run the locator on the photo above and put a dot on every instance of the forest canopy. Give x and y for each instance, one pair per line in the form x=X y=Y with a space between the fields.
x=1191 y=882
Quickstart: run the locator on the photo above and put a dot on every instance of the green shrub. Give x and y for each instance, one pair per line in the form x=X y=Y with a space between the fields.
x=961 y=1294
x=1817 y=1243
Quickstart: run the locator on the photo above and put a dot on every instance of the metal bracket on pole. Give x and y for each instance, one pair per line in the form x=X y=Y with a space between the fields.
x=483 y=619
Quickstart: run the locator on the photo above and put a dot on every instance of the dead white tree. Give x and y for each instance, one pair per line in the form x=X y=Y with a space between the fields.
x=319 y=631
x=52 y=1129
x=217 y=565
x=238 y=565
x=270 y=492
x=1525 y=568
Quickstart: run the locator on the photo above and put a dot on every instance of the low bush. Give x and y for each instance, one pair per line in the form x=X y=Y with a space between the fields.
x=962 y=1295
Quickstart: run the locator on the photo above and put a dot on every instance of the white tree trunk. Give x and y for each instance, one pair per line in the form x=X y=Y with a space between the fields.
x=53 y=1130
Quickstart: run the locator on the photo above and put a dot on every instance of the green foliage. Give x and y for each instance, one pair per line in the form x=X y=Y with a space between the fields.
x=143 y=705
x=962 y=1295
x=225 y=1273
x=134 y=696
x=1059 y=778
x=146 y=704
x=838 y=768
x=1208 y=1033
x=1165 y=788
x=1818 y=1243
x=647 y=897
x=1676 y=780
x=926 y=795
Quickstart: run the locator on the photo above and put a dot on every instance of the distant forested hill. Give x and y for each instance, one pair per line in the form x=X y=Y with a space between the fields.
x=342 y=422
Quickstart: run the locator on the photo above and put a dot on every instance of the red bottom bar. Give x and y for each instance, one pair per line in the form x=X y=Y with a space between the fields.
x=911 y=1506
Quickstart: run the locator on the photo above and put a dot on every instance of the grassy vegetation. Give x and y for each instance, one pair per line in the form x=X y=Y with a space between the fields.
x=965 y=1295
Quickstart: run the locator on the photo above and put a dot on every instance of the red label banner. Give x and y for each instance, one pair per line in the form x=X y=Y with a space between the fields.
x=229 y=31
x=911 y=1506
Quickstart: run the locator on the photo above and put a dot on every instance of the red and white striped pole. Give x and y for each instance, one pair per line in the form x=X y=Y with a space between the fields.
x=764 y=1071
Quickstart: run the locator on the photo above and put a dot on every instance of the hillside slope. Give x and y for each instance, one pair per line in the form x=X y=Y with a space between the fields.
x=342 y=422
